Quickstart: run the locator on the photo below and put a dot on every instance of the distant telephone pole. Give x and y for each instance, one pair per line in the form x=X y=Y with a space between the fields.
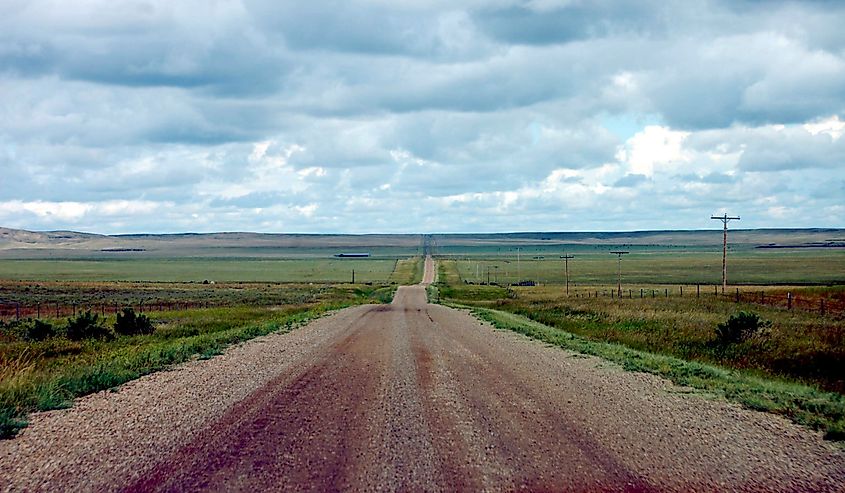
x=725 y=218
x=566 y=258
x=619 y=254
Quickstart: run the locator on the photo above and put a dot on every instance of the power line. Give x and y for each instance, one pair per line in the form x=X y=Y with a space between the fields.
x=725 y=219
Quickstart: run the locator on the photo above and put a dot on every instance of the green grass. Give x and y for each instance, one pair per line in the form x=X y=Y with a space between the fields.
x=801 y=403
x=199 y=269
x=50 y=374
x=659 y=265
x=407 y=271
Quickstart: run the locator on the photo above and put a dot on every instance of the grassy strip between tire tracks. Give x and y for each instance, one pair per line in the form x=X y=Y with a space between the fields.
x=25 y=389
x=802 y=404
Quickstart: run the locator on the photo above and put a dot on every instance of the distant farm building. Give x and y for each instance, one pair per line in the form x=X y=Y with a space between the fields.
x=352 y=255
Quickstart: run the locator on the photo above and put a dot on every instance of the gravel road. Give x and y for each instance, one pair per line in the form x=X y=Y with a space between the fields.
x=411 y=396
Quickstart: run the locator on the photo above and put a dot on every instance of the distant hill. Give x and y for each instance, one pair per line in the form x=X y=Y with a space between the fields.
x=25 y=244
x=15 y=243
x=36 y=239
x=779 y=237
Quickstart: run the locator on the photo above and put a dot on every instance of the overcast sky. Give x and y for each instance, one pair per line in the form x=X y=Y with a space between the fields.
x=416 y=116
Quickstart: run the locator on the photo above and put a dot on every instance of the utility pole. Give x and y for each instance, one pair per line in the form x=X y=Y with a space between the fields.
x=725 y=218
x=619 y=254
x=566 y=258
x=518 y=273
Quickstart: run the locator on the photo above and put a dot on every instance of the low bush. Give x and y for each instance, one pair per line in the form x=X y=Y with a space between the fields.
x=39 y=331
x=28 y=330
x=87 y=326
x=130 y=324
x=740 y=327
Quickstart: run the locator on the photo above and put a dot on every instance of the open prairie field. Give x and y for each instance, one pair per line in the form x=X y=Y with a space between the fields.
x=656 y=264
x=188 y=269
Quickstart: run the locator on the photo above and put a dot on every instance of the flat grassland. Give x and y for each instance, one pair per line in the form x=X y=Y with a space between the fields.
x=656 y=265
x=199 y=269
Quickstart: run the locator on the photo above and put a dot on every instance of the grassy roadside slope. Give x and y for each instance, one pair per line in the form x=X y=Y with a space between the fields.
x=675 y=342
x=39 y=376
x=803 y=404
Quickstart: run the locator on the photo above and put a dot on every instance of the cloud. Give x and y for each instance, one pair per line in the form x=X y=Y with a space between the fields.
x=630 y=180
x=503 y=115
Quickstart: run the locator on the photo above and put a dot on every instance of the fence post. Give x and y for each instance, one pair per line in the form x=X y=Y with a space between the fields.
x=697 y=290
x=789 y=301
x=715 y=290
x=667 y=292
x=611 y=294
x=653 y=293
x=822 y=307
x=737 y=295
x=38 y=310
x=630 y=294
x=57 y=309
x=641 y=293
x=682 y=291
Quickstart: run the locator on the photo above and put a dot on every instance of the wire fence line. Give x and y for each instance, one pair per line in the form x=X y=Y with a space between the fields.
x=787 y=300
x=13 y=310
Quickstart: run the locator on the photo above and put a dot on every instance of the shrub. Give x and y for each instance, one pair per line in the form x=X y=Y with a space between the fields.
x=130 y=324
x=87 y=326
x=740 y=327
x=38 y=331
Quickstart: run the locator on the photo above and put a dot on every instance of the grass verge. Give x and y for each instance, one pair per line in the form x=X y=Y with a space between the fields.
x=802 y=404
x=49 y=374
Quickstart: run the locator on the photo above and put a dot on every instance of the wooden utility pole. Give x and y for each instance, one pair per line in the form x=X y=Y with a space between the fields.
x=725 y=218
x=619 y=254
x=566 y=258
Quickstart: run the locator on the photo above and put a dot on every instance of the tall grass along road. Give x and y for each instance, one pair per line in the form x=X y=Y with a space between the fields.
x=411 y=396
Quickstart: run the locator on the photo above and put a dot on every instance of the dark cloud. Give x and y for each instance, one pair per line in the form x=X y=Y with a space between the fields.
x=570 y=21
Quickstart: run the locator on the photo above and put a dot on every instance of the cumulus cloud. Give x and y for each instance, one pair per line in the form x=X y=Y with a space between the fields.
x=468 y=116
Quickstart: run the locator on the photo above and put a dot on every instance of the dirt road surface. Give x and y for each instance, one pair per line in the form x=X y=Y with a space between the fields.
x=411 y=397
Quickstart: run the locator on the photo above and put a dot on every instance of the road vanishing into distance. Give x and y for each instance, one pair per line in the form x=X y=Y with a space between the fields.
x=411 y=397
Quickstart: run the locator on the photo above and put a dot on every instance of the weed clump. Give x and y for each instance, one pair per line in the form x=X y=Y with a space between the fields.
x=128 y=323
x=28 y=330
x=87 y=326
x=740 y=327
x=39 y=331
